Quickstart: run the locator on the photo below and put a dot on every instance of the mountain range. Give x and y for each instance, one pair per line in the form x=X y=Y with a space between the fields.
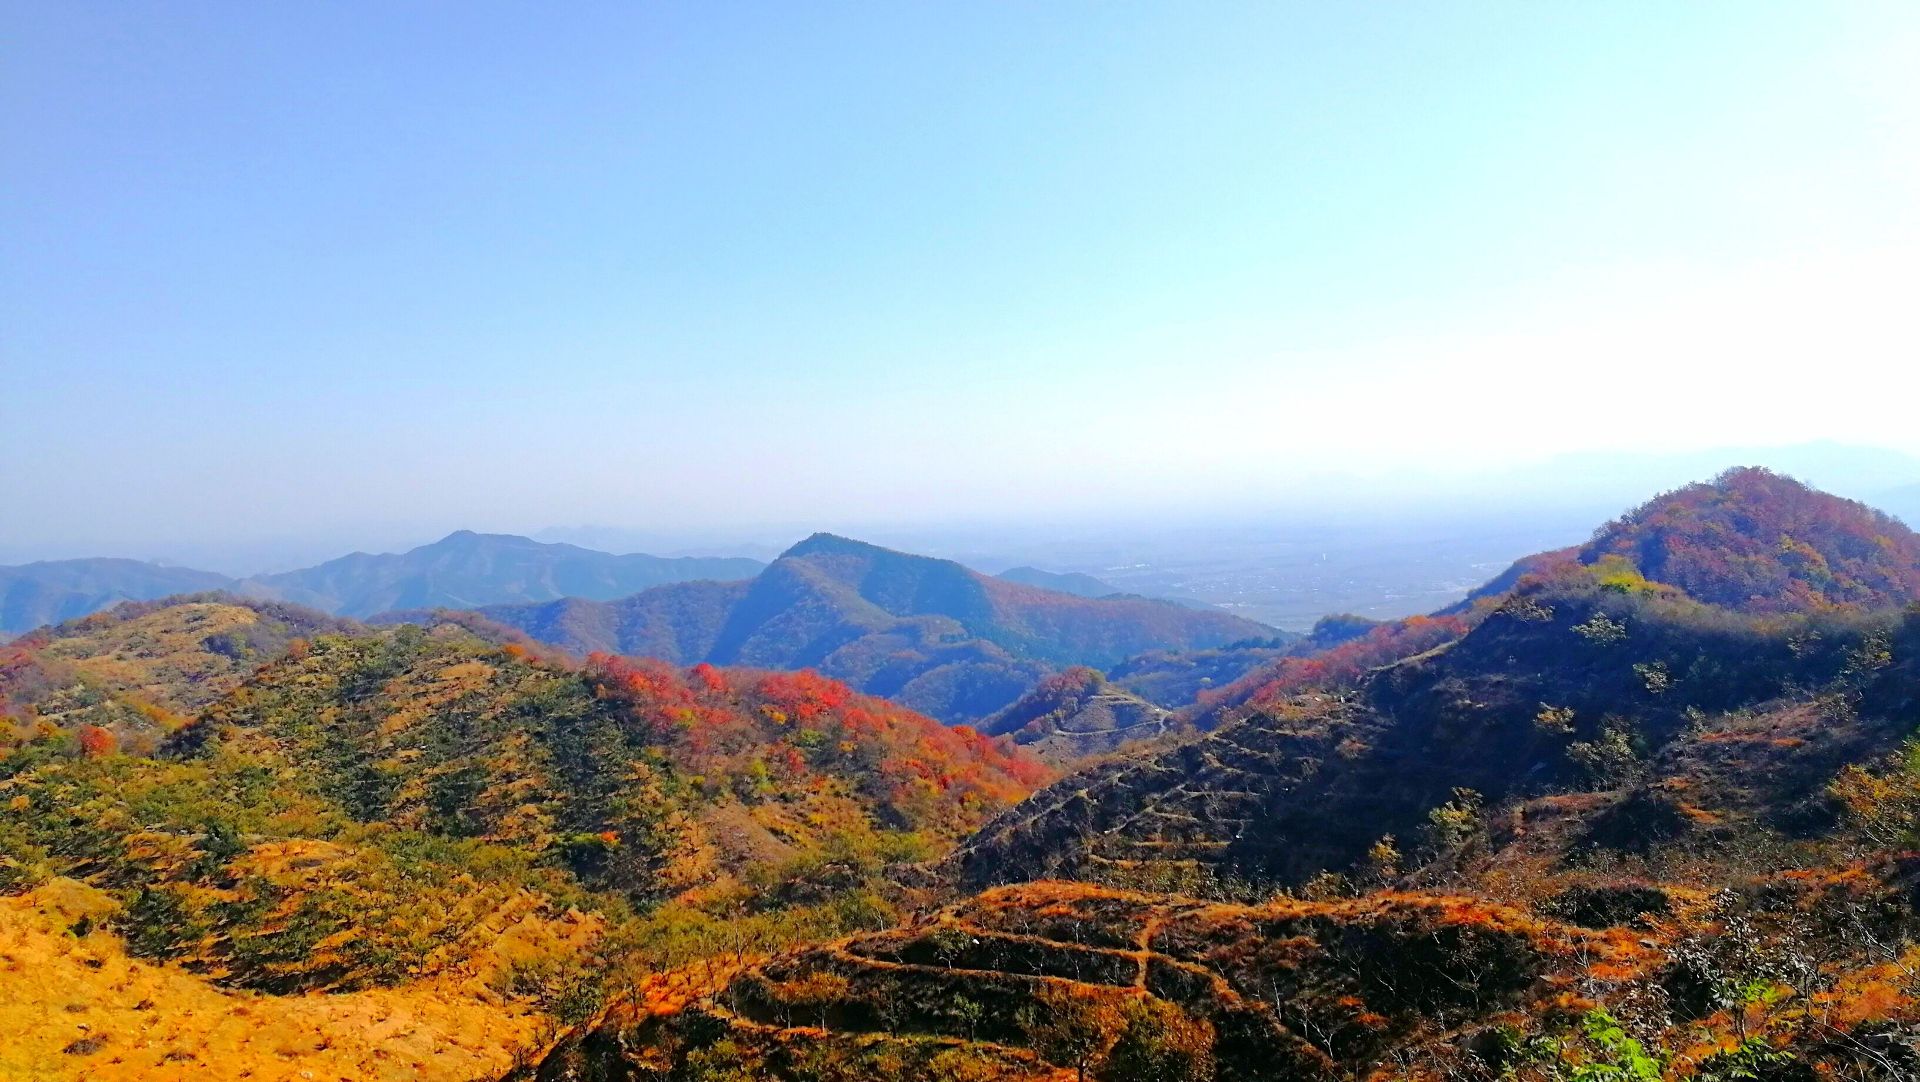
x=927 y=633
x=462 y=570
x=54 y=591
x=467 y=570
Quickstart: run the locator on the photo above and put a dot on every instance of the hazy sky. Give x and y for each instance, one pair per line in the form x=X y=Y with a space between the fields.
x=268 y=269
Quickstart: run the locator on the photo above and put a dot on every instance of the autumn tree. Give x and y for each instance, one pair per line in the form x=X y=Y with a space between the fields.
x=1160 y=1042
x=1072 y=1025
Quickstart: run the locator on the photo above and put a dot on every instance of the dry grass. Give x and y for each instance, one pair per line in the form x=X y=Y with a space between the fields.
x=76 y=1007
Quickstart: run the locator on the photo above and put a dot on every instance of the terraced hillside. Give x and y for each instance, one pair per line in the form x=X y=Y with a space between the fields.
x=1054 y=980
x=1077 y=713
x=1570 y=682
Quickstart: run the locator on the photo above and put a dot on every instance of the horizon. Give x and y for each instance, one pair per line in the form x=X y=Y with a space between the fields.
x=300 y=275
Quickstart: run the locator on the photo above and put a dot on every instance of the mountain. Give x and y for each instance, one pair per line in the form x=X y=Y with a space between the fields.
x=467 y=570
x=927 y=633
x=52 y=591
x=1761 y=542
x=1181 y=678
x=1564 y=669
x=1076 y=713
x=1590 y=825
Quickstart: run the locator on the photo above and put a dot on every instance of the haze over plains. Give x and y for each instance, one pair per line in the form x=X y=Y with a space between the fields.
x=278 y=273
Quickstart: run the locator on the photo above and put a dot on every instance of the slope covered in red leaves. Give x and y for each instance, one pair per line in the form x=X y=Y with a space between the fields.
x=1760 y=542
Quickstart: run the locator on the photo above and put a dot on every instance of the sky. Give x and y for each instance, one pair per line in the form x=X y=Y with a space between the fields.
x=378 y=271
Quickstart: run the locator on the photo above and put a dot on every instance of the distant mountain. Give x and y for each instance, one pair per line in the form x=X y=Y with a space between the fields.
x=463 y=570
x=1903 y=503
x=1081 y=585
x=1066 y=582
x=467 y=570
x=928 y=633
x=53 y=591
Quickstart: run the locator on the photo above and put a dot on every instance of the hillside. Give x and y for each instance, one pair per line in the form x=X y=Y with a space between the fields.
x=1180 y=678
x=467 y=570
x=120 y=1018
x=1563 y=670
x=466 y=834
x=929 y=634
x=141 y=669
x=1587 y=827
x=55 y=591
x=1067 y=980
x=1077 y=713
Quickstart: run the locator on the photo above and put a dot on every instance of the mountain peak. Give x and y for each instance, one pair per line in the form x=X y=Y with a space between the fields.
x=823 y=543
x=1761 y=541
x=470 y=538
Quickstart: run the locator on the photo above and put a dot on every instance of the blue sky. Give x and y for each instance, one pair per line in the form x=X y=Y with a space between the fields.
x=392 y=269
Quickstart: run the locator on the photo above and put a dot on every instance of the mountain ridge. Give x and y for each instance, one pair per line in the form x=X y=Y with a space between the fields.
x=464 y=569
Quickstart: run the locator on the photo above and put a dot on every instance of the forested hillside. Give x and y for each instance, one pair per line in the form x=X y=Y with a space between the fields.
x=1760 y=542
